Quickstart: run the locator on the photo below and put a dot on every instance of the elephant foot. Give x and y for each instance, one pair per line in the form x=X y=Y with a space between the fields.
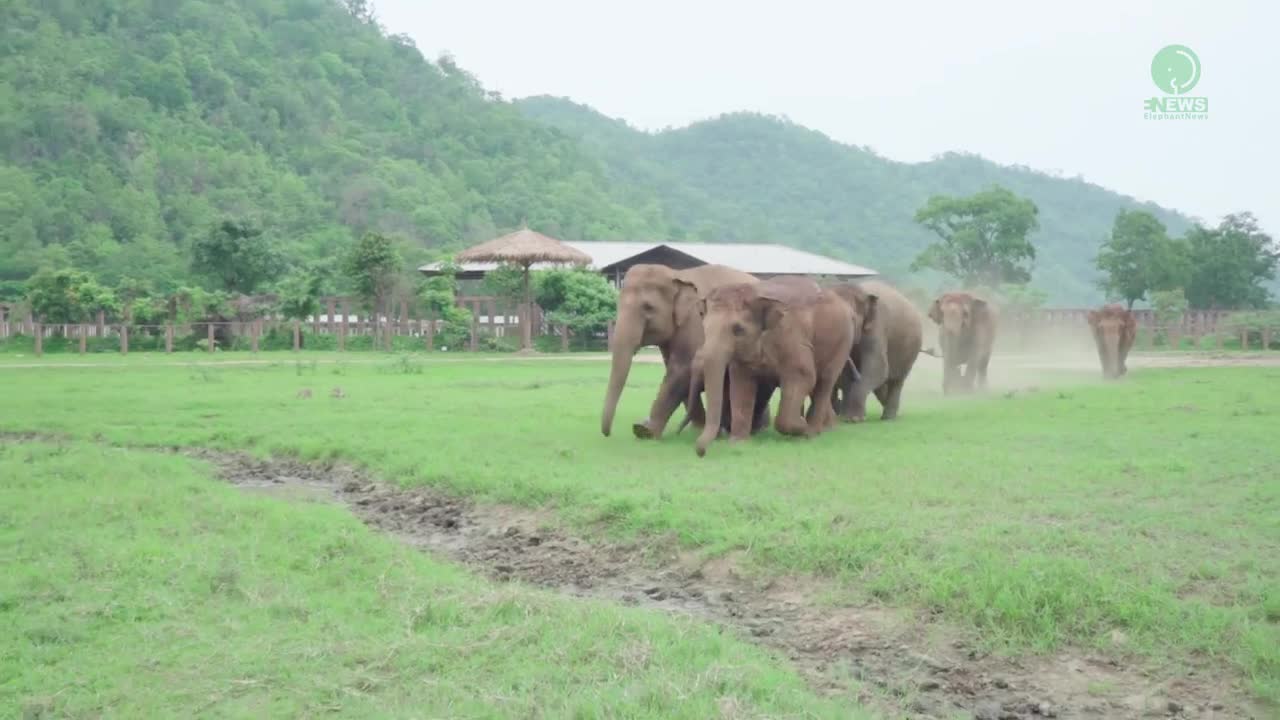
x=642 y=431
x=853 y=418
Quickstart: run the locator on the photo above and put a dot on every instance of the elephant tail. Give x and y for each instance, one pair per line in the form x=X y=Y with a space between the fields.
x=930 y=351
x=853 y=369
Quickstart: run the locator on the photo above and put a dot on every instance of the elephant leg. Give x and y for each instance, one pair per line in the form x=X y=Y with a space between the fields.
x=742 y=401
x=950 y=378
x=671 y=394
x=822 y=414
x=764 y=395
x=790 y=419
x=889 y=395
x=981 y=374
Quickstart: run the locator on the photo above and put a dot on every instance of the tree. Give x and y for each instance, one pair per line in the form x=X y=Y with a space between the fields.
x=983 y=237
x=300 y=293
x=581 y=299
x=374 y=266
x=506 y=282
x=1230 y=263
x=1140 y=258
x=1169 y=307
x=439 y=295
x=67 y=296
x=235 y=256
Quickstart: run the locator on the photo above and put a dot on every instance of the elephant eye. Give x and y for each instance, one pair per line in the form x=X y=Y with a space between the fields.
x=738 y=329
x=646 y=306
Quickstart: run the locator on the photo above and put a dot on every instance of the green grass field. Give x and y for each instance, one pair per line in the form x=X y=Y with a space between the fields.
x=1048 y=517
x=136 y=587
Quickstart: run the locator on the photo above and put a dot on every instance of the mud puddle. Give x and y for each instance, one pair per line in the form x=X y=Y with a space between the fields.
x=894 y=663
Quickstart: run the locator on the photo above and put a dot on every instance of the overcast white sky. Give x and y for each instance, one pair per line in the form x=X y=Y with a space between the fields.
x=1055 y=86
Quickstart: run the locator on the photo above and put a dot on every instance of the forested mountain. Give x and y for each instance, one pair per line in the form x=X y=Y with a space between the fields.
x=130 y=127
x=745 y=177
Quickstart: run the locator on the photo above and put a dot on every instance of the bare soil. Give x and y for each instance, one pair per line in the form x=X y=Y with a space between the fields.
x=898 y=664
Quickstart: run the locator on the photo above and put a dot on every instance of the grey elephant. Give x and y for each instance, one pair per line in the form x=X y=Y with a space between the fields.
x=888 y=342
x=660 y=306
x=966 y=334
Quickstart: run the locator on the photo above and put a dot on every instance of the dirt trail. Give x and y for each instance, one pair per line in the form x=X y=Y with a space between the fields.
x=896 y=664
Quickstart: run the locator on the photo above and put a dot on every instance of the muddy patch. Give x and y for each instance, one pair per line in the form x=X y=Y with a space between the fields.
x=901 y=665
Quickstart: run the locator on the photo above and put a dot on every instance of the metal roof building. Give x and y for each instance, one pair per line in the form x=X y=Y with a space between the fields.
x=613 y=259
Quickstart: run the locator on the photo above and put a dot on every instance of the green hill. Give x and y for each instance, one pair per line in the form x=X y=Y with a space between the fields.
x=129 y=127
x=745 y=177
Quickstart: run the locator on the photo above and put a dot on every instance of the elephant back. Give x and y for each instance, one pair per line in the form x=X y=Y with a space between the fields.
x=709 y=277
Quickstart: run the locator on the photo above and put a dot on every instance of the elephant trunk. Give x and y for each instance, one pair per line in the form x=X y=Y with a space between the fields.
x=1111 y=354
x=714 y=367
x=625 y=342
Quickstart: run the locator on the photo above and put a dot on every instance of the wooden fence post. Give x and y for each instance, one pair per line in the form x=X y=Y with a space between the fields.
x=38 y=331
x=209 y=336
x=564 y=338
x=168 y=337
x=1244 y=339
x=102 y=323
x=84 y=332
x=297 y=336
x=124 y=339
x=431 y=331
x=1266 y=338
x=475 y=326
x=346 y=312
x=255 y=331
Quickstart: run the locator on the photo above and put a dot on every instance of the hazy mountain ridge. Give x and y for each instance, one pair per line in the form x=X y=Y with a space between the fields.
x=749 y=177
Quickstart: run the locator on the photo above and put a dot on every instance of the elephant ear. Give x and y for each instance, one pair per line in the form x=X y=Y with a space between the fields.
x=687 y=299
x=1130 y=327
x=766 y=311
x=979 y=310
x=935 y=312
x=869 y=312
x=772 y=301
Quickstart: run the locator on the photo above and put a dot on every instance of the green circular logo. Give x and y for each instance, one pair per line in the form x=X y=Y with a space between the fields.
x=1175 y=69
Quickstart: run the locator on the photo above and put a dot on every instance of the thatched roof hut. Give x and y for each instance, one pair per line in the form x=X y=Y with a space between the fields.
x=524 y=247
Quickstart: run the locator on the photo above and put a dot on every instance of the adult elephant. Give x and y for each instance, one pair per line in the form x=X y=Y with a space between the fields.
x=966 y=333
x=660 y=306
x=889 y=340
x=1114 y=330
x=784 y=332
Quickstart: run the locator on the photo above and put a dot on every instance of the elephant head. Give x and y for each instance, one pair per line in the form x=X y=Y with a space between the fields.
x=957 y=314
x=863 y=304
x=652 y=304
x=1113 y=329
x=735 y=321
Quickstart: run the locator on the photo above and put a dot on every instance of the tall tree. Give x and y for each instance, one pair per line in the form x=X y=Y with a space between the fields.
x=374 y=266
x=1230 y=263
x=235 y=256
x=983 y=237
x=1140 y=258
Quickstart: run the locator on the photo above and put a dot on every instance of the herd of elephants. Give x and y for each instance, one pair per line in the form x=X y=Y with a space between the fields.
x=738 y=339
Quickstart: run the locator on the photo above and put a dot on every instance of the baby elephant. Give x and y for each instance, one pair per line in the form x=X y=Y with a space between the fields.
x=784 y=332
